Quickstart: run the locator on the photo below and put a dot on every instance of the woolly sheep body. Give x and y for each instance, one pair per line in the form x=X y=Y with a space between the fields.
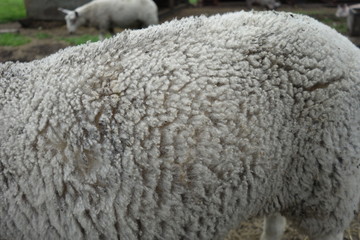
x=107 y=14
x=183 y=130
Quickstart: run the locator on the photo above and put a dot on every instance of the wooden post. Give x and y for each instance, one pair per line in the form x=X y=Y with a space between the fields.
x=353 y=22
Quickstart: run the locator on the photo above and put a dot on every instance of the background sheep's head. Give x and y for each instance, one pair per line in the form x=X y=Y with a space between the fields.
x=72 y=18
x=342 y=10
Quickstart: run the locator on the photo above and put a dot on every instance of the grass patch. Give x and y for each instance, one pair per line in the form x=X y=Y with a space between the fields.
x=80 y=39
x=339 y=24
x=13 y=39
x=41 y=35
x=312 y=12
x=11 y=10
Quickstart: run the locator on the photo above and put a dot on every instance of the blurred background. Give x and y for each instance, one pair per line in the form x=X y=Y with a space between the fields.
x=33 y=29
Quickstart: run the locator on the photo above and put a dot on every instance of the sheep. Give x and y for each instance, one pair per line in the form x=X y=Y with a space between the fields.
x=183 y=130
x=269 y=4
x=343 y=9
x=107 y=14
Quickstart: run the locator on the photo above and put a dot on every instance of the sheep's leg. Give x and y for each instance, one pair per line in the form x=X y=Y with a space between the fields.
x=101 y=36
x=274 y=227
x=104 y=27
x=111 y=31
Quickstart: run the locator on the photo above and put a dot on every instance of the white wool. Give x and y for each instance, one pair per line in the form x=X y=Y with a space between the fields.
x=183 y=130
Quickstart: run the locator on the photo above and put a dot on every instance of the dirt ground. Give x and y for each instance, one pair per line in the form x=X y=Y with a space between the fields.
x=251 y=230
x=40 y=48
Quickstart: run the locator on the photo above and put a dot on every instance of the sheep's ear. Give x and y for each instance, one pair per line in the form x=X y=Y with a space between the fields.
x=76 y=14
x=64 y=10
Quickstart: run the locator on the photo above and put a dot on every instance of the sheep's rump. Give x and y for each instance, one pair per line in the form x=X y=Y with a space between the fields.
x=182 y=130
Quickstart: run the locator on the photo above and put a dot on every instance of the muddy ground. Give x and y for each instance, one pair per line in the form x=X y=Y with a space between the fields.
x=39 y=48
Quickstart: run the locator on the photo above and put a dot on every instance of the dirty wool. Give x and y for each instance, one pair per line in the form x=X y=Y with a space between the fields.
x=183 y=130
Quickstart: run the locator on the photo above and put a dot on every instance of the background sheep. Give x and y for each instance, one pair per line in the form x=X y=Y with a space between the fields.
x=343 y=9
x=269 y=4
x=107 y=14
x=183 y=130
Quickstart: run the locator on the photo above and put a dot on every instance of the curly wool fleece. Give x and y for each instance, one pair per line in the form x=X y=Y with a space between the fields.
x=182 y=130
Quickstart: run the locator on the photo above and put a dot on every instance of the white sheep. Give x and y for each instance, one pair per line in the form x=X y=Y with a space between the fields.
x=269 y=4
x=107 y=14
x=183 y=130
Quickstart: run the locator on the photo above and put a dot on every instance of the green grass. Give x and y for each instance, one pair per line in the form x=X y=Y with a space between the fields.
x=42 y=35
x=339 y=24
x=13 y=39
x=11 y=10
x=311 y=12
x=80 y=39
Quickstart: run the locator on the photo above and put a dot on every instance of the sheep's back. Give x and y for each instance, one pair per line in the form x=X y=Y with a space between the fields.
x=178 y=129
